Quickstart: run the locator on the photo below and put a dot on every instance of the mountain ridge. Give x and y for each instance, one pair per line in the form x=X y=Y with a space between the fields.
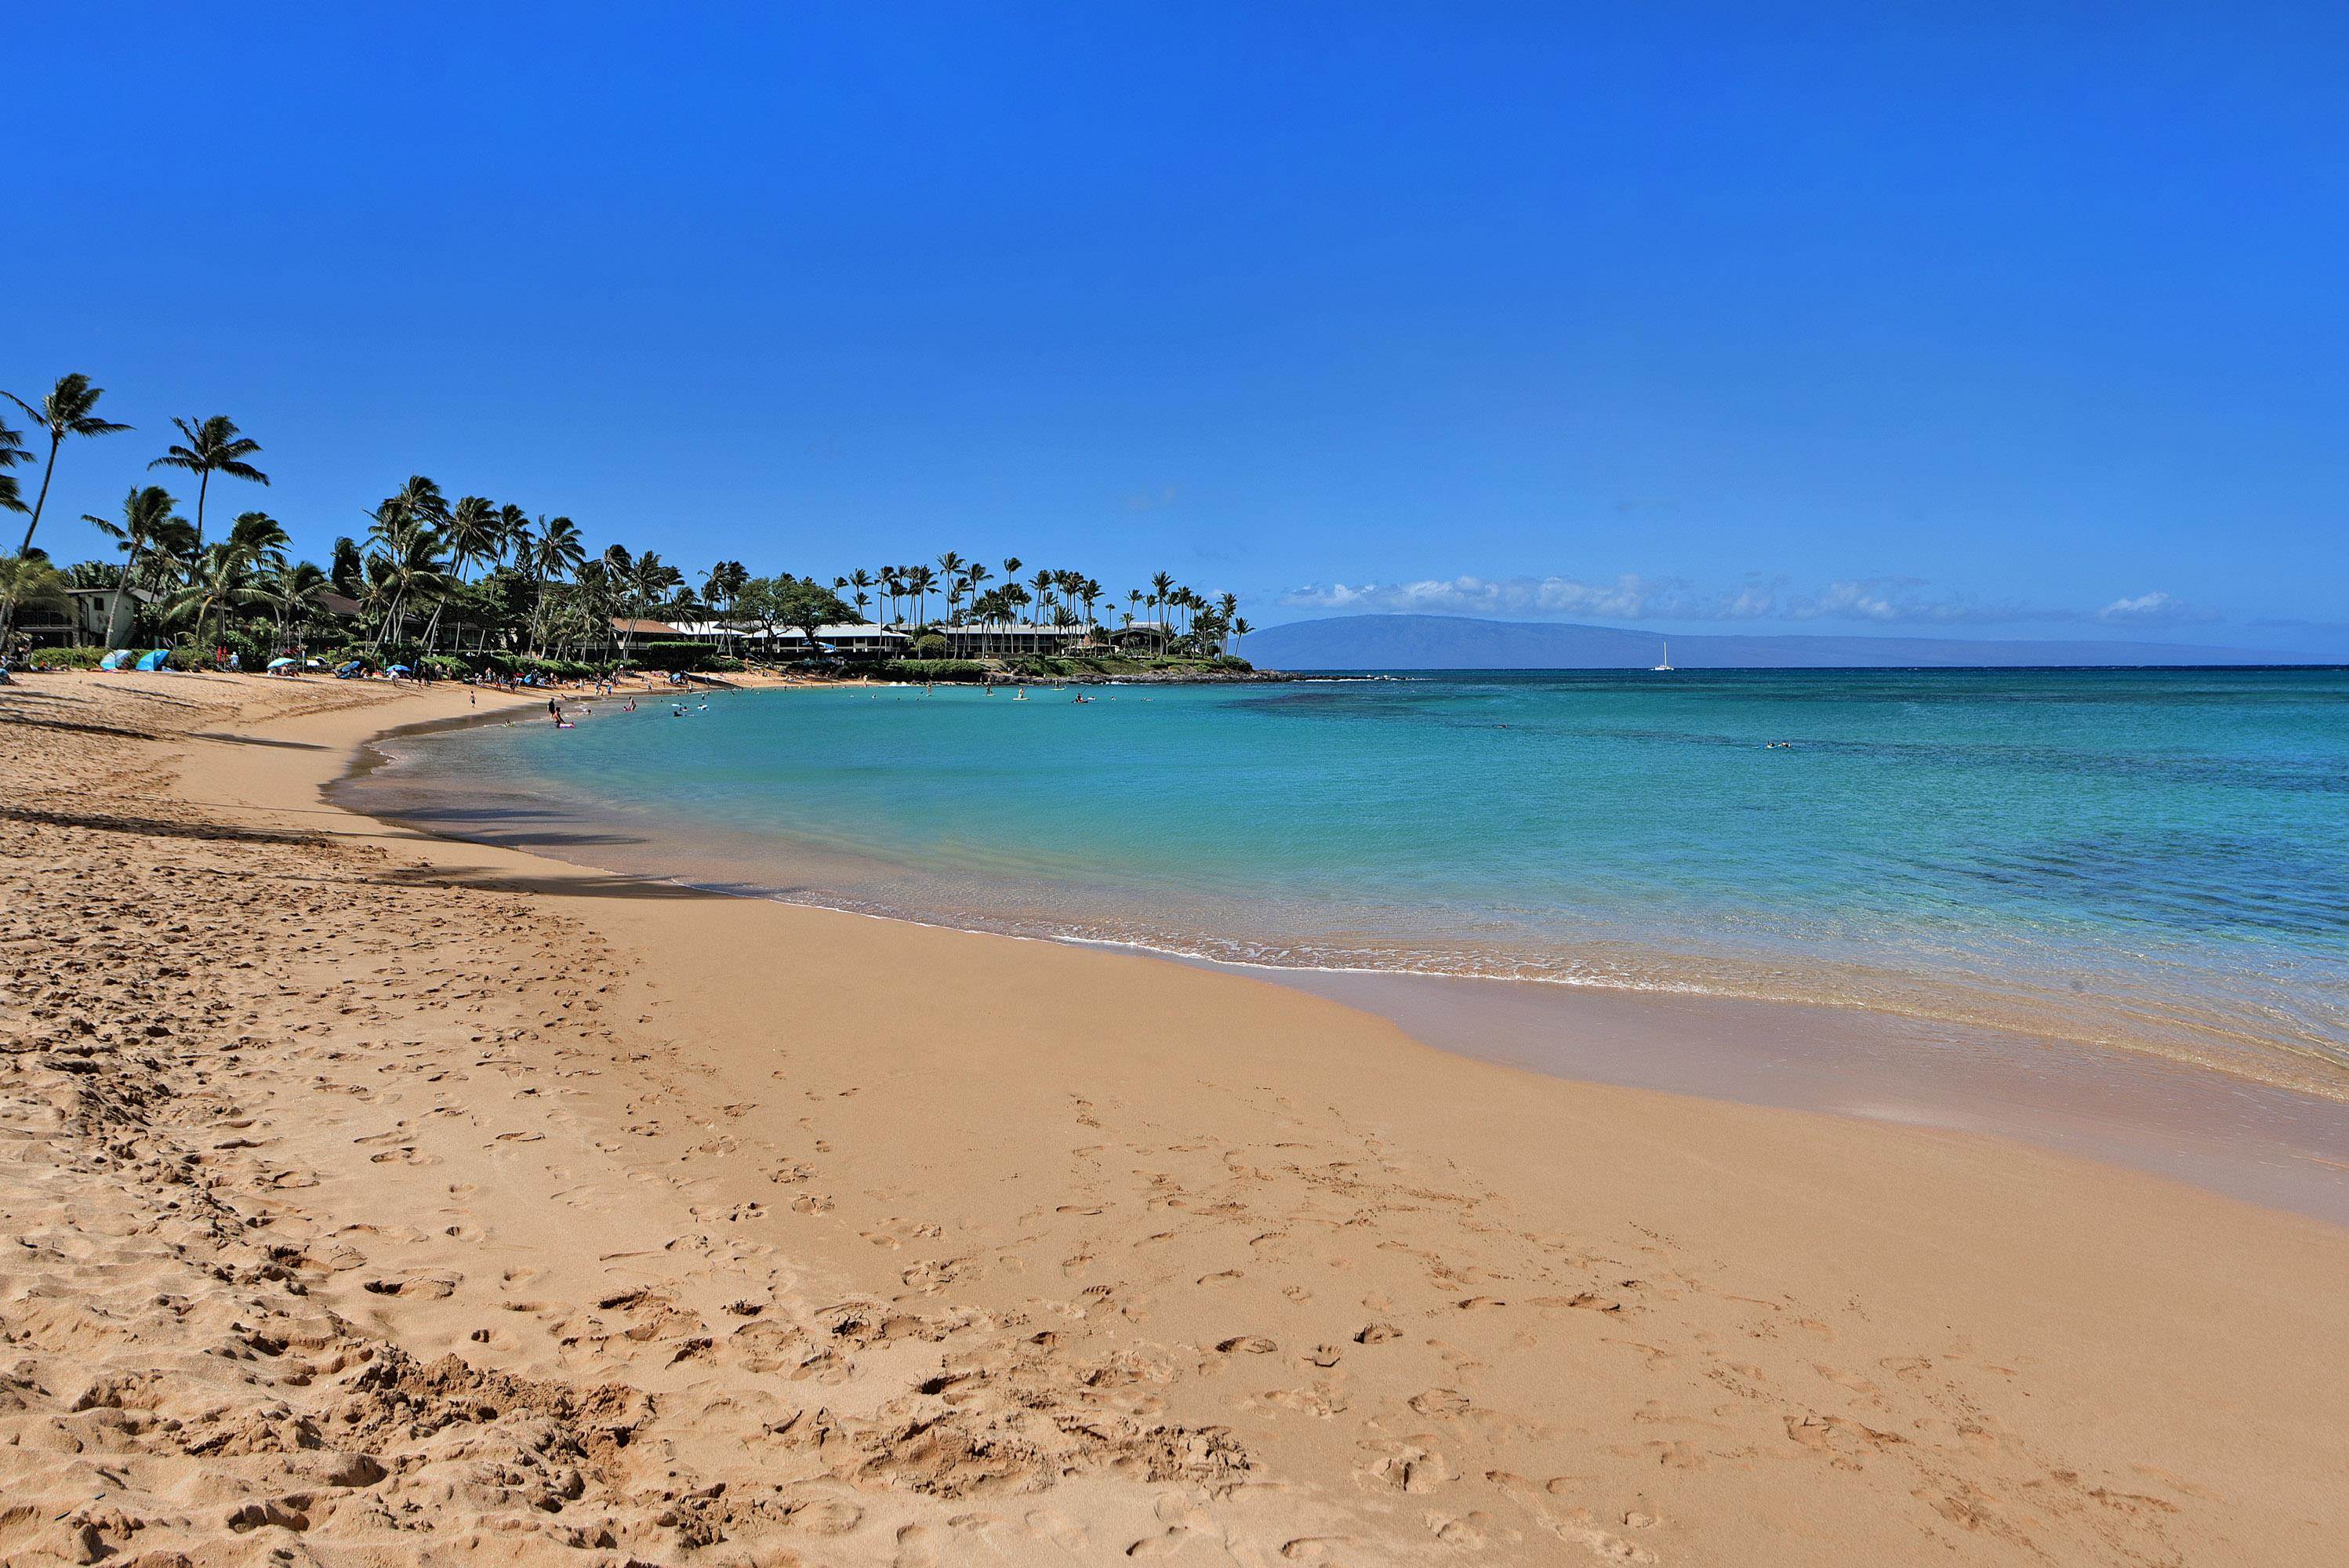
x=1466 y=642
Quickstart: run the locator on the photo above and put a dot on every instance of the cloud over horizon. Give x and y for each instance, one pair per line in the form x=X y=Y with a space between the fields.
x=1880 y=601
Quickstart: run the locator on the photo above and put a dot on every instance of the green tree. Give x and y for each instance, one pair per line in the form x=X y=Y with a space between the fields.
x=348 y=571
x=290 y=590
x=558 y=553
x=30 y=583
x=12 y=452
x=804 y=603
x=213 y=446
x=69 y=409
x=151 y=534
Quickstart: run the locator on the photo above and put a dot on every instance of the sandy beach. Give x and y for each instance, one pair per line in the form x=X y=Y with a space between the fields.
x=372 y=1199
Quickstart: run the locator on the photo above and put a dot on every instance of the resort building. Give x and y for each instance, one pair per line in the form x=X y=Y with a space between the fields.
x=857 y=639
x=1010 y=639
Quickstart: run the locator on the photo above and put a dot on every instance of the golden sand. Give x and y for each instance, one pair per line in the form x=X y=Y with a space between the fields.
x=373 y=1199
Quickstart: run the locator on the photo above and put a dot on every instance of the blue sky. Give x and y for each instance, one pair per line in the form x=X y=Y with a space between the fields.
x=1975 y=319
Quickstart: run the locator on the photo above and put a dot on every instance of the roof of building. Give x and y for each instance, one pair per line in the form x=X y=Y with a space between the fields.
x=755 y=634
x=144 y=596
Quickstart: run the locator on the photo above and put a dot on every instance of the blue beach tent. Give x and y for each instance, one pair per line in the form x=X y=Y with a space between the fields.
x=156 y=660
x=118 y=659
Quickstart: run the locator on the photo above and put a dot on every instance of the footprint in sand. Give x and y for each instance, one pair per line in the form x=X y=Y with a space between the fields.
x=1058 y=1528
x=1162 y=1544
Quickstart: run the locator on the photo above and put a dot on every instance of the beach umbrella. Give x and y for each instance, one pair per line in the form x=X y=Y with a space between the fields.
x=115 y=660
x=401 y=670
x=155 y=660
x=281 y=664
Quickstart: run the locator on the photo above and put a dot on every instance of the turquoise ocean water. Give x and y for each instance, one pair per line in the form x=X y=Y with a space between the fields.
x=2157 y=858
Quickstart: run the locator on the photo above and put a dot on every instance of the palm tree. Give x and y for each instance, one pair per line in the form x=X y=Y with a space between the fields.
x=408 y=570
x=513 y=537
x=861 y=581
x=407 y=565
x=12 y=452
x=1240 y=628
x=224 y=578
x=650 y=584
x=213 y=447
x=558 y=553
x=950 y=566
x=1041 y=585
x=723 y=587
x=259 y=537
x=150 y=532
x=1161 y=586
x=474 y=528
x=919 y=582
x=69 y=409
x=471 y=534
x=289 y=589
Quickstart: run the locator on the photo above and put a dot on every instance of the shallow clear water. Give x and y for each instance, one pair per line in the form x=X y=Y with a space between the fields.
x=2152 y=858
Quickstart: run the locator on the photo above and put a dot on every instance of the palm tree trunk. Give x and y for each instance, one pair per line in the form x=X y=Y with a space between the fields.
x=204 y=486
x=39 y=502
x=122 y=593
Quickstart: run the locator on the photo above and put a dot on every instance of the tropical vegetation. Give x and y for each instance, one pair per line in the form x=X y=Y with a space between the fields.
x=488 y=584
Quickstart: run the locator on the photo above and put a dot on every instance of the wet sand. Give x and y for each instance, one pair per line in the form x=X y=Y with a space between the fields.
x=2256 y=1141
x=379 y=1198
x=2263 y=1142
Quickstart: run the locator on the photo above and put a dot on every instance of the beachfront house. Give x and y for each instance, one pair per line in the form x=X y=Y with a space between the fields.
x=1142 y=634
x=98 y=617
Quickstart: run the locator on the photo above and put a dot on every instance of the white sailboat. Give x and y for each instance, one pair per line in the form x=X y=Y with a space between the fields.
x=1666 y=667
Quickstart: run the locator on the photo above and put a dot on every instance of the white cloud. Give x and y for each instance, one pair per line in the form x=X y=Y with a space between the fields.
x=2154 y=609
x=1884 y=600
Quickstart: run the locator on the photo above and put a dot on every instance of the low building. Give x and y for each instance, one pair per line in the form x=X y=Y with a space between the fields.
x=1010 y=639
x=98 y=617
x=860 y=639
x=1142 y=634
x=637 y=629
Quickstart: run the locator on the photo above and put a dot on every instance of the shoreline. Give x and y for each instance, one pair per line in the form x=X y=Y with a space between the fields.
x=2233 y=1132
x=630 y=1220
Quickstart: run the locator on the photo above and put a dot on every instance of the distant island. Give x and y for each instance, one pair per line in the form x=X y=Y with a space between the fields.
x=1463 y=642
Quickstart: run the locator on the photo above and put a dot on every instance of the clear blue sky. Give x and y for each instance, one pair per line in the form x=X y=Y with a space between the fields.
x=1984 y=319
